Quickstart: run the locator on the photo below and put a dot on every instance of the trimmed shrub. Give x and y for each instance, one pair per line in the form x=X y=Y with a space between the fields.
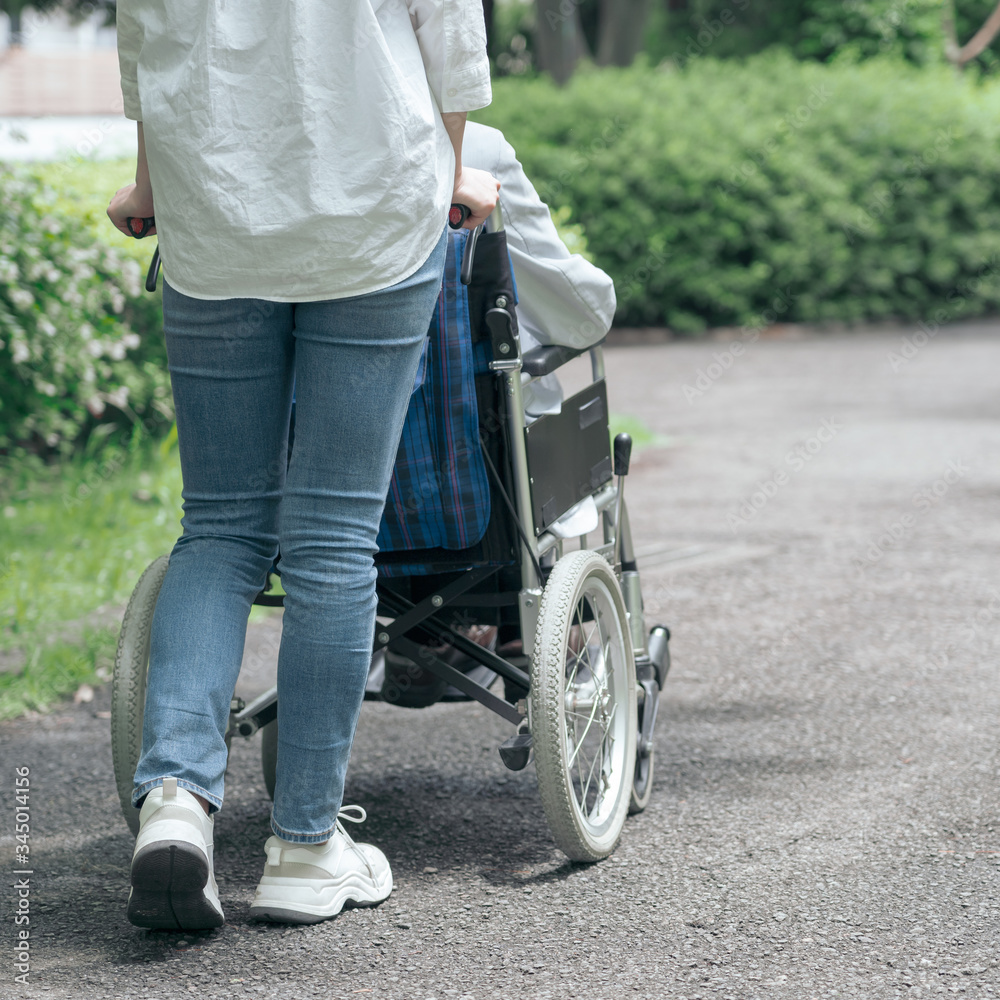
x=69 y=355
x=818 y=192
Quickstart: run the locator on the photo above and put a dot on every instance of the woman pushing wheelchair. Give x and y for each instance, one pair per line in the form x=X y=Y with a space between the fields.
x=302 y=162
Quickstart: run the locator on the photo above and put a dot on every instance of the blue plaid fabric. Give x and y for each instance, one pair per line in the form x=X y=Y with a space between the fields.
x=439 y=495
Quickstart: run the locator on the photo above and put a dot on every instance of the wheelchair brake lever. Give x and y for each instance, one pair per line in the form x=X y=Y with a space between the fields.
x=154 y=270
x=456 y=219
x=469 y=257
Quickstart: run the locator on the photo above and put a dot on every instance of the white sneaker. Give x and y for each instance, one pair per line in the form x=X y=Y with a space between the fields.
x=173 y=884
x=306 y=883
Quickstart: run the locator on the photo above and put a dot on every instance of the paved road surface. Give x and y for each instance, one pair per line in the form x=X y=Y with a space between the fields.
x=822 y=533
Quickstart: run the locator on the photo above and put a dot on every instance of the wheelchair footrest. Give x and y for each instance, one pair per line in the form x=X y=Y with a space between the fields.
x=516 y=752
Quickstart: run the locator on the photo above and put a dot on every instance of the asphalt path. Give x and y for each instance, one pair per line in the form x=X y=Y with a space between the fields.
x=817 y=522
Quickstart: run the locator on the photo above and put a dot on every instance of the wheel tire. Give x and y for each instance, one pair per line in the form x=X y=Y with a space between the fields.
x=269 y=754
x=586 y=819
x=128 y=688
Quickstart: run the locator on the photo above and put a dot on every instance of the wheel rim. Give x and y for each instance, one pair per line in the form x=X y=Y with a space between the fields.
x=595 y=706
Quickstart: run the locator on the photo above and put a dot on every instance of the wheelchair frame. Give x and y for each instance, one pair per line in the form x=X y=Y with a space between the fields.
x=502 y=580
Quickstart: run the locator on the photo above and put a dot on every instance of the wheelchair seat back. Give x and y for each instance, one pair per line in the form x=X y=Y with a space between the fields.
x=439 y=496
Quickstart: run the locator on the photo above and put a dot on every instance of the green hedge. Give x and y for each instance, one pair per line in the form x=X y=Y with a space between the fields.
x=71 y=313
x=727 y=191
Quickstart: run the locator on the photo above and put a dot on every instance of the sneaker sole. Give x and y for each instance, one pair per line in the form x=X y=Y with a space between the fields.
x=288 y=901
x=169 y=889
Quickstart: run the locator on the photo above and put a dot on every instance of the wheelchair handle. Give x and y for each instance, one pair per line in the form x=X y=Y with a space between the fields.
x=139 y=227
x=456 y=217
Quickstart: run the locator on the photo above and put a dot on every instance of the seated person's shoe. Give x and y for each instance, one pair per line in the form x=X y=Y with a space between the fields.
x=306 y=883
x=410 y=685
x=173 y=884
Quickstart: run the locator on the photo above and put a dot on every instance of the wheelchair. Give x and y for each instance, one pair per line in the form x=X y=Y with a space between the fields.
x=506 y=571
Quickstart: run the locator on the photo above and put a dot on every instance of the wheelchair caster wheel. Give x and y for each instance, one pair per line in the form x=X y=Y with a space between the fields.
x=645 y=756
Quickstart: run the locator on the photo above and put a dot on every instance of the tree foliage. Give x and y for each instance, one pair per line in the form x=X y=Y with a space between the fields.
x=78 y=10
x=612 y=32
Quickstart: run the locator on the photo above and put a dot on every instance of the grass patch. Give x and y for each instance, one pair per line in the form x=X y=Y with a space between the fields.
x=75 y=538
x=642 y=436
x=56 y=668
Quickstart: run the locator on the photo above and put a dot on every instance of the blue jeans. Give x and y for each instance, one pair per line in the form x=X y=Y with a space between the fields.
x=233 y=365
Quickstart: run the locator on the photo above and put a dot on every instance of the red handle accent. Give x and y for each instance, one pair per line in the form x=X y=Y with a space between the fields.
x=457 y=215
x=138 y=227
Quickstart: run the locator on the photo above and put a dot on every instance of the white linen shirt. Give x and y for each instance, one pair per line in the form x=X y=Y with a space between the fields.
x=296 y=150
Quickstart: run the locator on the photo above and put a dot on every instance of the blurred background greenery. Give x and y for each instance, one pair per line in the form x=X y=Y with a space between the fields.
x=730 y=163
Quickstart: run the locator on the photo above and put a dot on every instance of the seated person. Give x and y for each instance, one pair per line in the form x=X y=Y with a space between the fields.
x=562 y=298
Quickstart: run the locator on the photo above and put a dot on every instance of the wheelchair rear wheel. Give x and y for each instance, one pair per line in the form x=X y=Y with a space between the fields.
x=128 y=688
x=582 y=706
x=128 y=685
x=269 y=754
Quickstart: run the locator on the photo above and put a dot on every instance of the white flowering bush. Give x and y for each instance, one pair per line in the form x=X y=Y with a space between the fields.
x=71 y=311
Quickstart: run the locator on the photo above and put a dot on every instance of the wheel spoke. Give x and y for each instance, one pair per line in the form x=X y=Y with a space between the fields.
x=578 y=655
x=602 y=754
x=598 y=756
x=579 y=742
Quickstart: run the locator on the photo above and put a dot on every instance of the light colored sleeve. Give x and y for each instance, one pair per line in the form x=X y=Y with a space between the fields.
x=130 y=38
x=562 y=297
x=452 y=39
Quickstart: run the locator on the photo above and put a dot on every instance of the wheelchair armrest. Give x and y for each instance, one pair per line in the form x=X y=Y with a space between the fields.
x=545 y=360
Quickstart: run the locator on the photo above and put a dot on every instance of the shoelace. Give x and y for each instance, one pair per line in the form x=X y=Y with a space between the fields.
x=352 y=814
x=360 y=817
x=357 y=816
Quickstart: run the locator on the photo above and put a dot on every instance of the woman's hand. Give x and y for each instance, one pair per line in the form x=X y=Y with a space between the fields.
x=477 y=190
x=134 y=200
x=131 y=201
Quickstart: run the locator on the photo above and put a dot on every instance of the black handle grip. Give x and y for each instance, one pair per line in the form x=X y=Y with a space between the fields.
x=154 y=270
x=139 y=227
x=457 y=215
x=623 y=452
